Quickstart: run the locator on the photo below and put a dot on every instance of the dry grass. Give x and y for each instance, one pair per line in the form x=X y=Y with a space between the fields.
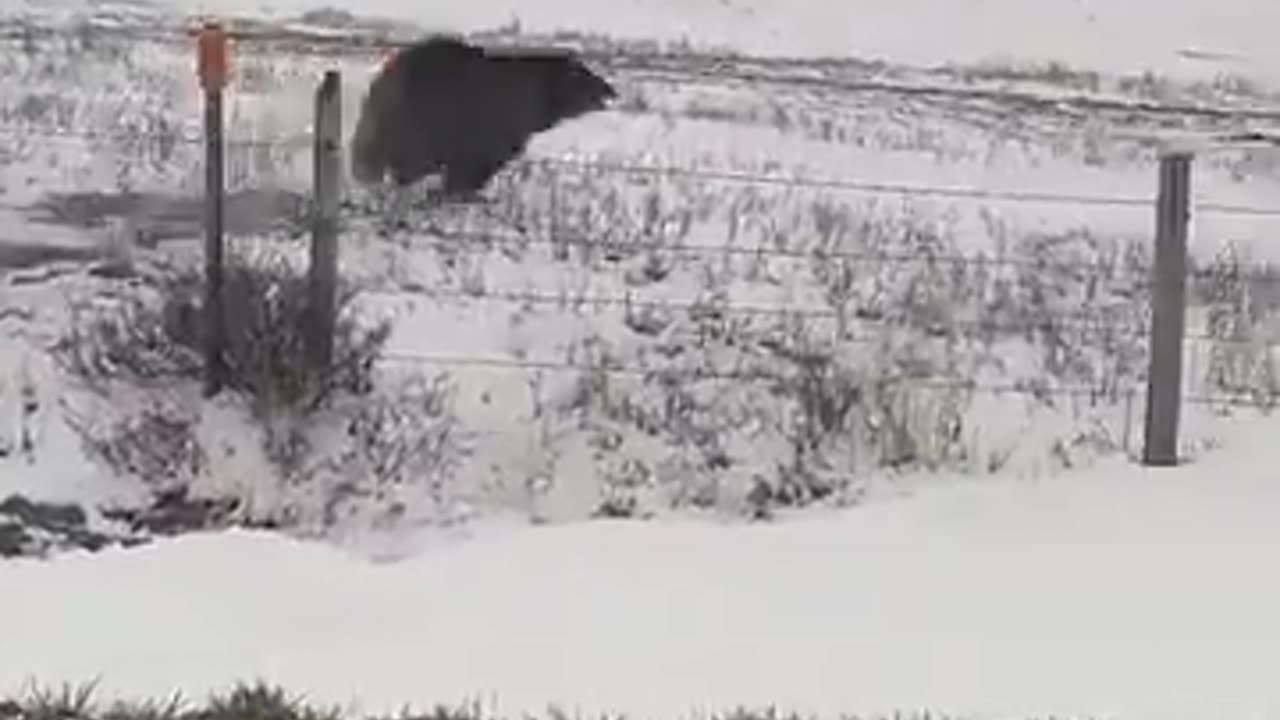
x=137 y=350
x=157 y=336
x=261 y=701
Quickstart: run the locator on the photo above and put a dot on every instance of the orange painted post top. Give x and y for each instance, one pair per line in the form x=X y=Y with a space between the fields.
x=211 y=56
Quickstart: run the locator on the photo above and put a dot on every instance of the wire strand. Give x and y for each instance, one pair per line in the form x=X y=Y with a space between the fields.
x=476 y=239
x=525 y=364
x=739 y=310
x=300 y=141
x=1028 y=388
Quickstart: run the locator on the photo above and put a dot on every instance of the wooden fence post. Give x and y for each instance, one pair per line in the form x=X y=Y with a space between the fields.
x=1168 y=311
x=212 y=68
x=327 y=173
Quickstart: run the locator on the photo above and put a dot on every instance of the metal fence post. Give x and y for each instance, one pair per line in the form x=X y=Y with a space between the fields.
x=212 y=68
x=1168 y=311
x=327 y=173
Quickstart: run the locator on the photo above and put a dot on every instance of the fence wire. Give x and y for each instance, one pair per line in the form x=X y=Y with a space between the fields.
x=1085 y=320
x=1034 y=388
x=713 y=307
x=1048 y=323
x=850 y=185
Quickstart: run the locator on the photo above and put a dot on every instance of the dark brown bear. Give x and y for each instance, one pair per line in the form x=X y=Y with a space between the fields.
x=445 y=106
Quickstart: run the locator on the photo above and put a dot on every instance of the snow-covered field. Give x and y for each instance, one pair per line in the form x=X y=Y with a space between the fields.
x=1117 y=593
x=886 y=255
x=1196 y=37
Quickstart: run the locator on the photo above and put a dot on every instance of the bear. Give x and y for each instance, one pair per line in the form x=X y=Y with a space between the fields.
x=443 y=106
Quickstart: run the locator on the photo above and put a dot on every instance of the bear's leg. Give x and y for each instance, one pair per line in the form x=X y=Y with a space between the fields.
x=464 y=179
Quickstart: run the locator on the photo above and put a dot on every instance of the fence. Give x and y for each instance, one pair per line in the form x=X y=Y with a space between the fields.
x=1168 y=283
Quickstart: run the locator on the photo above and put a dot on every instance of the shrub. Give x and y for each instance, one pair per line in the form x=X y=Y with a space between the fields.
x=156 y=337
x=372 y=460
x=321 y=430
x=1239 y=303
x=711 y=404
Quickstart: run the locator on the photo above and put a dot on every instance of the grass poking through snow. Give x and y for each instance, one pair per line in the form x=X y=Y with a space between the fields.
x=262 y=701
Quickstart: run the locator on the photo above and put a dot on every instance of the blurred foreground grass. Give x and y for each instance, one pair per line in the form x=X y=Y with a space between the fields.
x=261 y=701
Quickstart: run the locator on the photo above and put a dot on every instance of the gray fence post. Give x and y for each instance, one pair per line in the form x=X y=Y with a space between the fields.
x=212 y=68
x=1168 y=311
x=327 y=175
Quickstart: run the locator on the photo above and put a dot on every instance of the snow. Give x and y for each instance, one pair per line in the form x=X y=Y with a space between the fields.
x=1077 y=586
x=1118 y=592
x=879 y=139
x=1192 y=38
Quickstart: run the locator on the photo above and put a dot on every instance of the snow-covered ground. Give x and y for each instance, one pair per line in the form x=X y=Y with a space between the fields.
x=1144 y=595
x=1199 y=37
x=660 y=344
x=1053 y=183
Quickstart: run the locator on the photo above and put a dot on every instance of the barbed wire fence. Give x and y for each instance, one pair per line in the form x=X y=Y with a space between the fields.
x=1167 y=284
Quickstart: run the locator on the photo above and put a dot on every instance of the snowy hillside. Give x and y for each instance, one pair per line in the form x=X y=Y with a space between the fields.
x=838 y=284
x=1198 y=37
x=824 y=359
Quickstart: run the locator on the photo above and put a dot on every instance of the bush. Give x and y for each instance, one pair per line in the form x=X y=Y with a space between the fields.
x=159 y=336
x=139 y=354
x=371 y=461
x=711 y=405
x=1239 y=302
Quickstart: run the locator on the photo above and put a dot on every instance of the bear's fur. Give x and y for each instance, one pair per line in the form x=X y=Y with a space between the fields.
x=445 y=106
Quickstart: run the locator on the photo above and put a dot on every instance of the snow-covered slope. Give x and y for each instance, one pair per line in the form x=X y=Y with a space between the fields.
x=1144 y=595
x=1197 y=37
x=957 y=294
x=807 y=221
